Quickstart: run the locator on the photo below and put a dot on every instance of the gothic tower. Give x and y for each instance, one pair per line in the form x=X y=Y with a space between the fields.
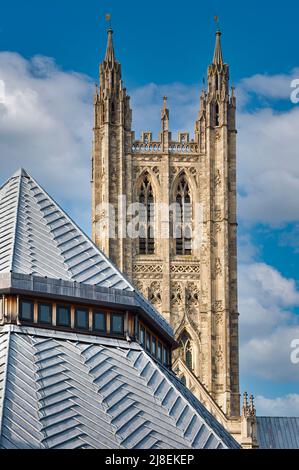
x=184 y=258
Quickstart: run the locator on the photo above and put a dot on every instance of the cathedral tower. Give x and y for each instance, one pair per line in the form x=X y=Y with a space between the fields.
x=184 y=258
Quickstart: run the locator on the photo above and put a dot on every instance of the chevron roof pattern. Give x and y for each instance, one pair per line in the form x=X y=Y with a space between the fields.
x=60 y=390
x=38 y=238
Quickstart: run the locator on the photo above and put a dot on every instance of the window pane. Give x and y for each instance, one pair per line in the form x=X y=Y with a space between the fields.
x=159 y=352
x=81 y=319
x=142 y=336
x=63 y=316
x=148 y=342
x=117 y=324
x=45 y=313
x=189 y=359
x=164 y=356
x=154 y=346
x=27 y=310
x=99 y=321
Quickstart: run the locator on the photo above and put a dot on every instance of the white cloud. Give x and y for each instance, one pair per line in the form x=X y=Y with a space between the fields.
x=287 y=405
x=45 y=127
x=269 y=86
x=268 y=171
x=183 y=103
x=267 y=325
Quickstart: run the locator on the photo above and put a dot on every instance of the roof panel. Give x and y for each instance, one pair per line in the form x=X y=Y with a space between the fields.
x=89 y=408
x=278 y=432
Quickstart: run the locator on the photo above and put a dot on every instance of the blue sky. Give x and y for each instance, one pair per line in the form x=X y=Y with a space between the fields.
x=50 y=52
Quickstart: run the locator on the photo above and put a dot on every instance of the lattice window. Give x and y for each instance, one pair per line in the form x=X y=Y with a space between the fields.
x=146 y=225
x=183 y=220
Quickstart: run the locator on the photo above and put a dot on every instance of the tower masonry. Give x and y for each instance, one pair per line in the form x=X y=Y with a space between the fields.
x=184 y=256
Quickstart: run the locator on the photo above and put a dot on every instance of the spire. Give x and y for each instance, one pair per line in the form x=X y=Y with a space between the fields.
x=218 y=58
x=110 y=57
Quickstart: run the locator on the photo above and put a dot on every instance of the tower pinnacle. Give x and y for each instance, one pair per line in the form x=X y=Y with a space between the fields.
x=218 y=58
x=110 y=56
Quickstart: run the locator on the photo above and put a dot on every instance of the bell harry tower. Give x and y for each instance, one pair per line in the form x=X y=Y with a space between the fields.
x=184 y=259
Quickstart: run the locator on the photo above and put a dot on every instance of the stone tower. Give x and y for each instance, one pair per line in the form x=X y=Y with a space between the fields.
x=184 y=259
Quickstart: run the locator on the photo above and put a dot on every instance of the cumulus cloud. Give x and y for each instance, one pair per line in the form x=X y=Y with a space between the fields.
x=147 y=101
x=268 y=171
x=45 y=126
x=267 y=324
x=268 y=86
x=287 y=405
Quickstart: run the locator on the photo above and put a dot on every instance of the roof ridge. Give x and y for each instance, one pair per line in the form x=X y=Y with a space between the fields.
x=85 y=236
x=16 y=215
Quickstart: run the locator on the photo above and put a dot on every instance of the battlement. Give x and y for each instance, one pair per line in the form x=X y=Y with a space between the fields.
x=146 y=144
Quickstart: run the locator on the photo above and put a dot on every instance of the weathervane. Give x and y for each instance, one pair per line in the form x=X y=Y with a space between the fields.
x=216 y=19
x=108 y=19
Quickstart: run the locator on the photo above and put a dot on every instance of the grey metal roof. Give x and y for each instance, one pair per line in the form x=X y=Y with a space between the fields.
x=278 y=433
x=62 y=390
x=38 y=238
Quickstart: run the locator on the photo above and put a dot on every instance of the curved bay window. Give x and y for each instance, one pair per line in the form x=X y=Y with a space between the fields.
x=183 y=229
x=186 y=350
x=146 y=224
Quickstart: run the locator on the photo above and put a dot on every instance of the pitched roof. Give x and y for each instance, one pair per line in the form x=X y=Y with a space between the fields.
x=38 y=238
x=85 y=392
x=277 y=432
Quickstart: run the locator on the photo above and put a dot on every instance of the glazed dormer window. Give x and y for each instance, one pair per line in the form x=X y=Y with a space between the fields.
x=142 y=336
x=63 y=316
x=45 y=314
x=81 y=319
x=26 y=310
x=99 y=322
x=117 y=324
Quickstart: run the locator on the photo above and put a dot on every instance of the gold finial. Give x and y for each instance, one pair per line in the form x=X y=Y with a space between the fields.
x=108 y=19
x=165 y=101
x=216 y=19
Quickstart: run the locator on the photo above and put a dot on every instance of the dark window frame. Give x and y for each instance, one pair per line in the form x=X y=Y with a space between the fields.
x=98 y=330
x=86 y=310
x=142 y=329
x=160 y=351
x=44 y=304
x=67 y=307
x=148 y=342
x=113 y=332
x=154 y=349
x=31 y=302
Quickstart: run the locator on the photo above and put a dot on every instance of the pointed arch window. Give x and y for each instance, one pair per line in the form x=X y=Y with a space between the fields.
x=147 y=216
x=183 y=232
x=217 y=115
x=186 y=350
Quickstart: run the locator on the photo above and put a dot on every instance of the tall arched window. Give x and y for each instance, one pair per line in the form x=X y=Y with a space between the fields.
x=217 y=115
x=183 y=229
x=146 y=225
x=186 y=350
